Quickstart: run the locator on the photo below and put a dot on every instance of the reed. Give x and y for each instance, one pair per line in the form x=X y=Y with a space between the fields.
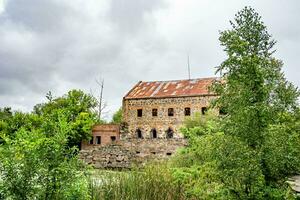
x=153 y=182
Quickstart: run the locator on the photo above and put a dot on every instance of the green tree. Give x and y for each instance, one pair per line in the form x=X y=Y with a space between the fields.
x=249 y=152
x=5 y=113
x=253 y=89
x=117 y=117
x=36 y=166
x=78 y=109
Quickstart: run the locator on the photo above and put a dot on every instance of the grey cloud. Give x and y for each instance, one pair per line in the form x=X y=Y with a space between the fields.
x=130 y=16
x=59 y=45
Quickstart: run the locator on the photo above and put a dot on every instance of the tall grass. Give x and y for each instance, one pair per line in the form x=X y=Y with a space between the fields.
x=154 y=182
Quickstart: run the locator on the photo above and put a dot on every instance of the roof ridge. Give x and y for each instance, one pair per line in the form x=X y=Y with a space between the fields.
x=204 y=78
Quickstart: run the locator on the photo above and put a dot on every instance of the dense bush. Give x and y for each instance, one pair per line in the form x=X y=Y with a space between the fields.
x=35 y=166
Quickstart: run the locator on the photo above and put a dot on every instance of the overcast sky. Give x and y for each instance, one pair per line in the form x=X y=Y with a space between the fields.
x=58 y=45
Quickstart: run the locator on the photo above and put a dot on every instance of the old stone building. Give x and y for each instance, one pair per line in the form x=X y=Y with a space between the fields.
x=157 y=109
x=153 y=113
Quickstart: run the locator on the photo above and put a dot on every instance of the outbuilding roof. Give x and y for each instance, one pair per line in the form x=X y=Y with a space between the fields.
x=174 y=88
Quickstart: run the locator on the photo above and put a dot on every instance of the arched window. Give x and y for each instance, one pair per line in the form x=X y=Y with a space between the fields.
x=169 y=133
x=139 y=133
x=153 y=133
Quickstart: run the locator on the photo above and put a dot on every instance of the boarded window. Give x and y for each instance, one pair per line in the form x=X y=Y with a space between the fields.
x=154 y=112
x=170 y=111
x=139 y=133
x=98 y=139
x=187 y=111
x=203 y=110
x=113 y=138
x=153 y=133
x=92 y=141
x=169 y=133
x=139 y=112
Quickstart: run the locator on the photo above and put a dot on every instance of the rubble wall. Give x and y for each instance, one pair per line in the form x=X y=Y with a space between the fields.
x=124 y=154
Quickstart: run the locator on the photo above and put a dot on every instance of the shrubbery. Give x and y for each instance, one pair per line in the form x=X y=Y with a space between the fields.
x=35 y=166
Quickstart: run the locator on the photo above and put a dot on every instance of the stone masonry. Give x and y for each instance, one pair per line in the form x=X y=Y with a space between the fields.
x=162 y=122
x=125 y=153
x=153 y=113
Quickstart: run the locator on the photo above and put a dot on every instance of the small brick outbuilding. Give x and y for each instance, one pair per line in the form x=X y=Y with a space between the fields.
x=102 y=135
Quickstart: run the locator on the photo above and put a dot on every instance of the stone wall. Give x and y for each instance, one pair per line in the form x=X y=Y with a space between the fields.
x=162 y=121
x=124 y=154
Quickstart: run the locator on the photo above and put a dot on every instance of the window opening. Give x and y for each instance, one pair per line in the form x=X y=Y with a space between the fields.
x=203 y=110
x=113 y=138
x=170 y=133
x=187 y=111
x=153 y=133
x=98 y=139
x=139 y=112
x=139 y=133
x=154 y=112
x=170 y=112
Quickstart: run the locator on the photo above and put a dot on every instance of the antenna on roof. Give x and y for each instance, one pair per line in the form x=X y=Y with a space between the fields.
x=188 y=63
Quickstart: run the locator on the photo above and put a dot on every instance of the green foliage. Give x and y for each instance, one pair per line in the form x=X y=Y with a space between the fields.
x=78 y=112
x=154 y=182
x=5 y=113
x=218 y=166
x=249 y=153
x=117 y=117
x=281 y=150
x=253 y=89
x=198 y=124
x=36 y=166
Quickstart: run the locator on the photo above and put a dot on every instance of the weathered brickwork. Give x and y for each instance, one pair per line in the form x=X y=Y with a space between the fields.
x=125 y=153
x=153 y=113
x=102 y=135
x=162 y=122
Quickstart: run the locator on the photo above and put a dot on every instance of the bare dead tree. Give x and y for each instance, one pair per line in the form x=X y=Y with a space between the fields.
x=101 y=105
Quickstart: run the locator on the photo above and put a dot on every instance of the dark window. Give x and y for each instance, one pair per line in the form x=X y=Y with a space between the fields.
x=170 y=133
x=137 y=152
x=169 y=154
x=203 y=110
x=92 y=141
x=113 y=138
x=154 y=112
x=154 y=133
x=222 y=111
x=187 y=111
x=98 y=139
x=153 y=152
x=170 y=111
x=139 y=133
x=139 y=112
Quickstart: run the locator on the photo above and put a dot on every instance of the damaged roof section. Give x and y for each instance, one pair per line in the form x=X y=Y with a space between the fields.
x=177 y=88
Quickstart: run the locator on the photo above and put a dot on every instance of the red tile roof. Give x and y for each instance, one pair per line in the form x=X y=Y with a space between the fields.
x=176 y=88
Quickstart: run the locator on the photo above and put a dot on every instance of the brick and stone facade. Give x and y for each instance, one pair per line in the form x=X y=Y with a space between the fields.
x=153 y=113
x=162 y=122
x=102 y=134
x=154 y=109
